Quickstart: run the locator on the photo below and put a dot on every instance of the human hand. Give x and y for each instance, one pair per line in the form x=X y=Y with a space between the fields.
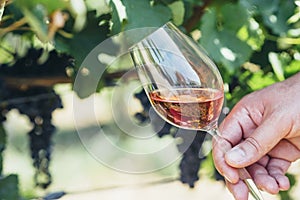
x=264 y=131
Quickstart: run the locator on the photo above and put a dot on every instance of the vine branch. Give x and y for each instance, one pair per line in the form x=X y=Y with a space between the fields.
x=24 y=83
x=198 y=11
x=13 y=26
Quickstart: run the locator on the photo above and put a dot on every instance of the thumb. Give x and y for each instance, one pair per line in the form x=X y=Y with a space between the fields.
x=259 y=143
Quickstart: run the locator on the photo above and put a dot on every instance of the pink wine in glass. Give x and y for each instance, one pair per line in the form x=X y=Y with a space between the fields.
x=190 y=108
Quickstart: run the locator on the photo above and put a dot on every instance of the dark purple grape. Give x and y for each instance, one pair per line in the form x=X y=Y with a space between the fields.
x=37 y=103
x=190 y=162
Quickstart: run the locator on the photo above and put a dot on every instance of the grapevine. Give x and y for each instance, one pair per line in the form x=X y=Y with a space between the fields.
x=36 y=101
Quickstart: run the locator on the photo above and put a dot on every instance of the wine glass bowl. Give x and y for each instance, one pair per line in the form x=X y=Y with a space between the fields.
x=183 y=84
x=192 y=108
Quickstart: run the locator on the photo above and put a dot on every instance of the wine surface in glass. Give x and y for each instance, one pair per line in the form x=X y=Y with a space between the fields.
x=190 y=108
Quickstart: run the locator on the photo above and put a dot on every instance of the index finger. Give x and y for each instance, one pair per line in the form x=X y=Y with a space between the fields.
x=220 y=146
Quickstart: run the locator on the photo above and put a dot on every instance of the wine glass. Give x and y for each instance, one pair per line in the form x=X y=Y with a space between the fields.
x=182 y=83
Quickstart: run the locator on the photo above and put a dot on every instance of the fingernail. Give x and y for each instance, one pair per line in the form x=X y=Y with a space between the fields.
x=236 y=155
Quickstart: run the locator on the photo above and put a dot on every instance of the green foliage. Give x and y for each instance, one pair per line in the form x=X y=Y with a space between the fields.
x=292 y=68
x=84 y=41
x=178 y=12
x=274 y=14
x=219 y=37
x=35 y=18
x=9 y=188
x=49 y=5
x=142 y=14
x=37 y=12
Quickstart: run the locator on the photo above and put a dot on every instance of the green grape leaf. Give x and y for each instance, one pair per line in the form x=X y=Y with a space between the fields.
x=142 y=14
x=49 y=5
x=209 y=22
x=223 y=45
x=178 y=12
x=84 y=41
x=278 y=20
x=266 y=7
x=229 y=19
x=36 y=17
x=9 y=187
x=81 y=45
x=275 y=13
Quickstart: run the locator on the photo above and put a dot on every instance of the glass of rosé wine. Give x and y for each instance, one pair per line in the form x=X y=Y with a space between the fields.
x=182 y=83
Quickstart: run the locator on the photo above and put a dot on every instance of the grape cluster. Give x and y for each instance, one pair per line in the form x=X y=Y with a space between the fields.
x=41 y=134
x=37 y=103
x=192 y=155
x=144 y=117
x=191 y=160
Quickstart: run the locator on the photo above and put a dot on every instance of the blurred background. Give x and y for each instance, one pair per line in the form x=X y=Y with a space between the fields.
x=42 y=46
x=78 y=174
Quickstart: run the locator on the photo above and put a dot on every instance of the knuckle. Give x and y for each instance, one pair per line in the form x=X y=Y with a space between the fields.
x=255 y=145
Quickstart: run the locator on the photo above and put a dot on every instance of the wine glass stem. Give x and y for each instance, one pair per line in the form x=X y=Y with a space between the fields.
x=243 y=173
